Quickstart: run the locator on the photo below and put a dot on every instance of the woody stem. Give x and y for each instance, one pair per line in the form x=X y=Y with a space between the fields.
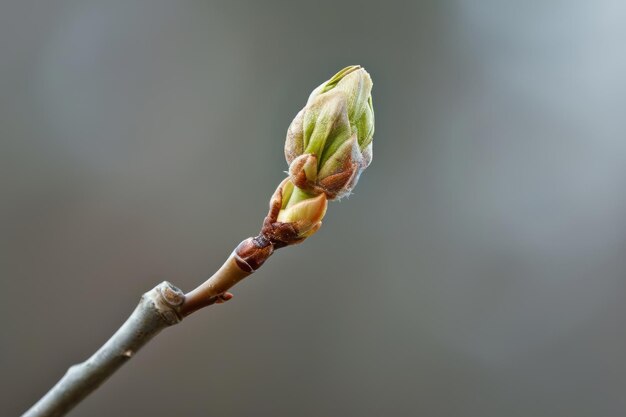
x=163 y=306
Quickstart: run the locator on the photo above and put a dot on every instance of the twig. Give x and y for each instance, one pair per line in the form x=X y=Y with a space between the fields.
x=161 y=307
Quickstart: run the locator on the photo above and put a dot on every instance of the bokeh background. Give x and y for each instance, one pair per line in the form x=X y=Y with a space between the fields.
x=478 y=270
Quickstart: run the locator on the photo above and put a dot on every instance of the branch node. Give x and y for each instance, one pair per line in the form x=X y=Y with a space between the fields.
x=167 y=300
x=171 y=294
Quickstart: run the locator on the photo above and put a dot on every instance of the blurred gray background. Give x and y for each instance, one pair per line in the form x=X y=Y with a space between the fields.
x=478 y=270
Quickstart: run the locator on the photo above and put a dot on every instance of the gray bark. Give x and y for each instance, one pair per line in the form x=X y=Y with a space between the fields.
x=159 y=308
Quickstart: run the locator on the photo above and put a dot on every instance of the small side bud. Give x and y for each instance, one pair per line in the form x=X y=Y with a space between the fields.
x=304 y=215
x=294 y=215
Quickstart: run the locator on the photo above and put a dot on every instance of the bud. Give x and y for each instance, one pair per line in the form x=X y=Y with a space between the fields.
x=294 y=215
x=305 y=215
x=329 y=143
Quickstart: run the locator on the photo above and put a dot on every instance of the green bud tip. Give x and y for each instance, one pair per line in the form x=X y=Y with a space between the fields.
x=330 y=139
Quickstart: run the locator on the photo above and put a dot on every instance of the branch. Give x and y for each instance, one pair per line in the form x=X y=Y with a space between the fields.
x=161 y=307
